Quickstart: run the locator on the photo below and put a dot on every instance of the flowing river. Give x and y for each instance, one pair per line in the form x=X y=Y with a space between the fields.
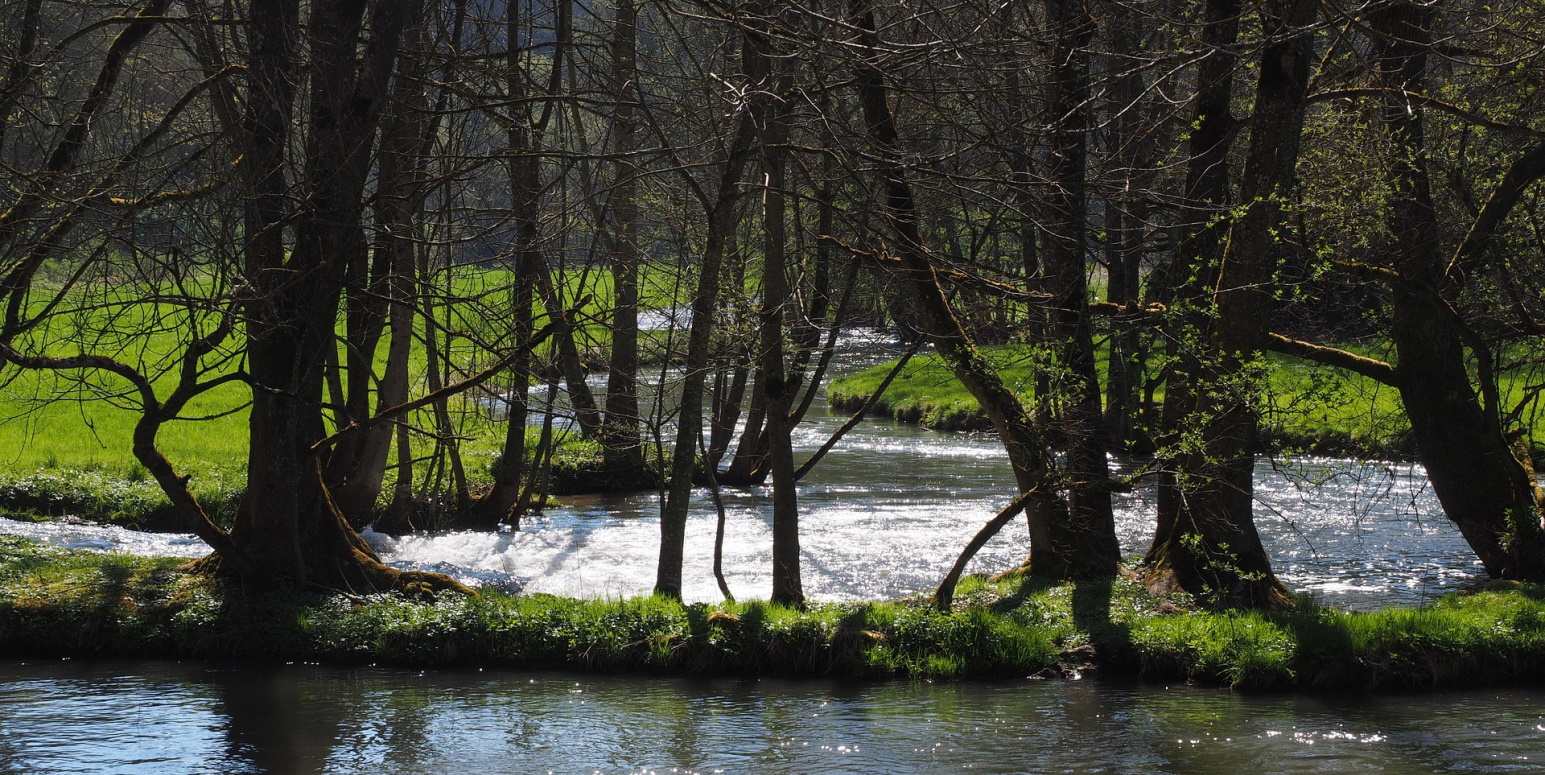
x=883 y=516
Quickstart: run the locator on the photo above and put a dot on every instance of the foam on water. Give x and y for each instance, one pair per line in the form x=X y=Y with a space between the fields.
x=70 y=533
x=885 y=516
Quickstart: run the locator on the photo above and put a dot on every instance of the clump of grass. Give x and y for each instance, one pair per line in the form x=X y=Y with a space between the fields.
x=1243 y=649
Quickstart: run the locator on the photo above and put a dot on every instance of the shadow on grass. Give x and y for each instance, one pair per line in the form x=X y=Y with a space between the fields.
x=1092 y=614
x=1325 y=657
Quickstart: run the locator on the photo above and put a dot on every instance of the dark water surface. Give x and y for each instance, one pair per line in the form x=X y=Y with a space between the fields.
x=162 y=717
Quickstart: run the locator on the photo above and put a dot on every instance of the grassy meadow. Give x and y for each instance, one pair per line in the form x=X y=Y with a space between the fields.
x=65 y=437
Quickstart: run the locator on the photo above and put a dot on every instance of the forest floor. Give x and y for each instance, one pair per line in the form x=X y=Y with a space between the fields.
x=56 y=602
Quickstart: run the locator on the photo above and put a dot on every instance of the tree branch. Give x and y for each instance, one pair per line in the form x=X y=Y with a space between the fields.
x=1371 y=368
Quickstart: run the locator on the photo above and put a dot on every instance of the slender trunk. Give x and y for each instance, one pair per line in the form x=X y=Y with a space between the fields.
x=360 y=467
x=621 y=444
x=1083 y=428
x=770 y=116
x=1132 y=156
x=510 y=470
x=587 y=414
x=1060 y=548
x=704 y=307
x=728 y=401
x=820 y=298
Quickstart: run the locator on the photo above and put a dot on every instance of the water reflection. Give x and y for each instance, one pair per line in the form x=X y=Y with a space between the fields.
x=150 y=717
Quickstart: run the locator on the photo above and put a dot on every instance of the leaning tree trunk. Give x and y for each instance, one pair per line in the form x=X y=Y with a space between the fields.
x=1060 y=547
x=1484 y=482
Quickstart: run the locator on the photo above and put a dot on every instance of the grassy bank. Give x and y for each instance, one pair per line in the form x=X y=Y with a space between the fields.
x=123 y=493
x=54 y=602
x=1305 y=407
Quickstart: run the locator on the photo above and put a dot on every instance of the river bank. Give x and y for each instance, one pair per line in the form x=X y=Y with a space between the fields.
x=57 y=602
x=1305 y=409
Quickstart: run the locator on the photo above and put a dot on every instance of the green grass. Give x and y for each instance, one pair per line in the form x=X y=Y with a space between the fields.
x=65 y=437
x=926 y=391
x=1306 y=407
x=57 y=602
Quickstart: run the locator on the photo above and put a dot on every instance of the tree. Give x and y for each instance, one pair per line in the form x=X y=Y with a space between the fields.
x=1060 y=546
x=720 y=209
x=1206 y=542
x=284 y=295
x=1466 y=440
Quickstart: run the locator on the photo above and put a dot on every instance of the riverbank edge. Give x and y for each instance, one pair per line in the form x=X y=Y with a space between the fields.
x=136 y=502
x=957 y=416
x=56 y=603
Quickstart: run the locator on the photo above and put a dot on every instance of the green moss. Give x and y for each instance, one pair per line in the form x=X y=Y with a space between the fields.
x=60 y=602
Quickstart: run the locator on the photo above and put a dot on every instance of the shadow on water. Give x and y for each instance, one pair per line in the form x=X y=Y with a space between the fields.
x=275 y=723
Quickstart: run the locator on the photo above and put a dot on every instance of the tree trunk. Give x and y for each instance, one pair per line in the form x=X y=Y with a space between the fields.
x=288 y=527
x=525 y=187
x=1060 y=548
x=1082 y=420
x=621 y=443
x=1183 y=282
x=1484 y=482
x=1132 y=156
x=359 y=465
x=1211 y=547
x=770 y=115
x=704 y=307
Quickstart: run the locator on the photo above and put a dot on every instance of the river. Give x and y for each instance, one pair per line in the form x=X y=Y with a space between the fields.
x=883 y=516
x=160 y=717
